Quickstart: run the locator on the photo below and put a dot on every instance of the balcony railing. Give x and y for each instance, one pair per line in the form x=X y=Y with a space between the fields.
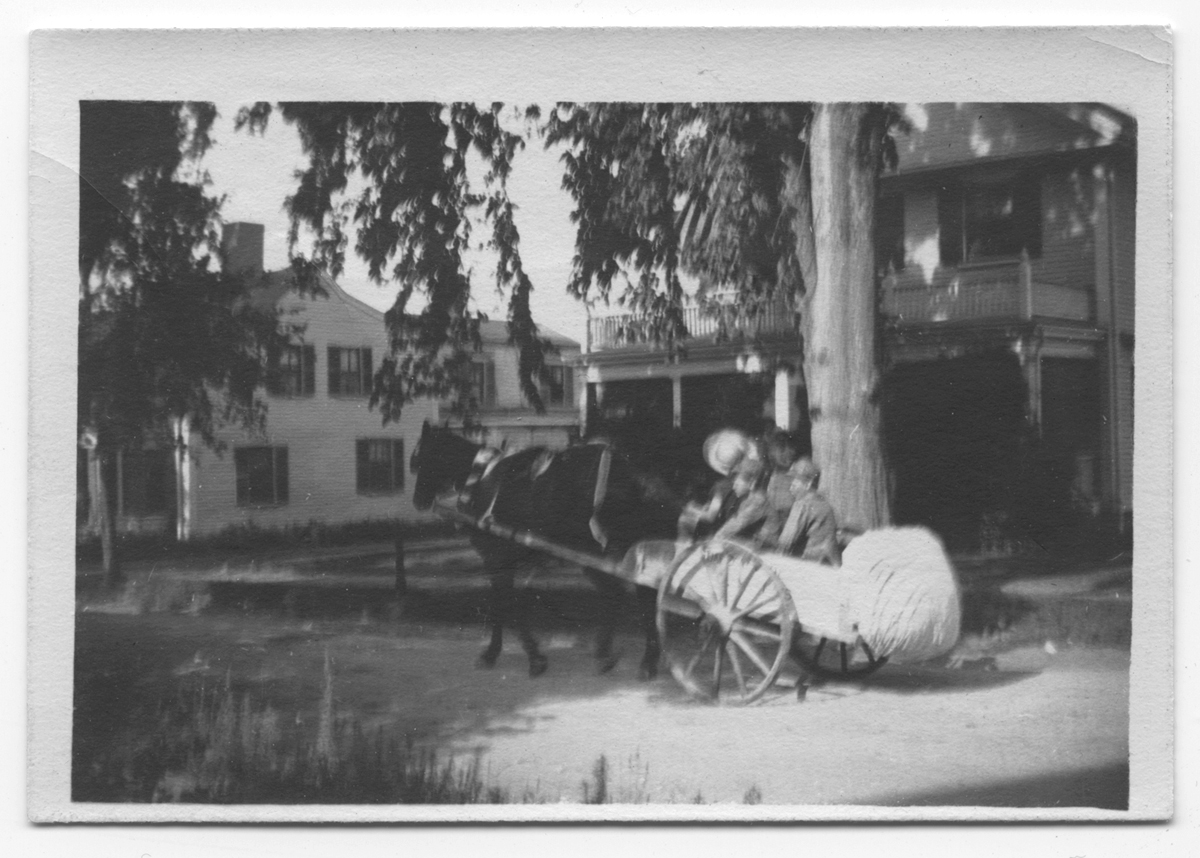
x=738 y=323
x=1002 y=290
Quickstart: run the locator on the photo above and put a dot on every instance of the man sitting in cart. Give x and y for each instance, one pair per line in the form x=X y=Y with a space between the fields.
x=724 y=451
x=810 y=530
x=751 y=507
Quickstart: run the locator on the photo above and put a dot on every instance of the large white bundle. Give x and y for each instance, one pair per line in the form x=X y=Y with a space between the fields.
x=905 y=594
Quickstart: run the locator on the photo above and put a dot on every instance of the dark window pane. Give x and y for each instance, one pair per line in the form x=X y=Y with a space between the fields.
x=310 y=370
x=281 y=475
x=950 y=226
x=349 y=371
x=990 y=221
x=262 y=475
x=889 y=234
x=361 y=464
x=379 y=464
x=333 y=364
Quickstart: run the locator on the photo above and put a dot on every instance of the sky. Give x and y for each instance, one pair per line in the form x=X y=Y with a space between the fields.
x=255 y=173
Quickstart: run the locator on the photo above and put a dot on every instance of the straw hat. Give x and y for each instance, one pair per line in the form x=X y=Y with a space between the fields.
x=725 y=448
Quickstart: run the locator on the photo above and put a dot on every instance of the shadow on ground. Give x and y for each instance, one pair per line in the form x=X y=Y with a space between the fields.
x=1105 y=787
x=404 y=666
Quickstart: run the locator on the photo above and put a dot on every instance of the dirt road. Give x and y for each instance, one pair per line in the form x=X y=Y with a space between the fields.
x=1041 y=729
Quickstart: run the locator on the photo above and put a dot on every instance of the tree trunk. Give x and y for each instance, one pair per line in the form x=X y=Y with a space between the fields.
x=104 y=504
x=841 y=367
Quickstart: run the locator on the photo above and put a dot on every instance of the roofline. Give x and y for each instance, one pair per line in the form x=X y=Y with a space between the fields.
x=559 y=340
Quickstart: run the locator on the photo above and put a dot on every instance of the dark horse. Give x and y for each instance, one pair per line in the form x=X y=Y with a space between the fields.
x=586 y=498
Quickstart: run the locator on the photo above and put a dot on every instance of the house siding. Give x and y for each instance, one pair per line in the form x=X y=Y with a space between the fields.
x=945 y=133
x=1068 y=230
x=321 y=431
x=1124 y=218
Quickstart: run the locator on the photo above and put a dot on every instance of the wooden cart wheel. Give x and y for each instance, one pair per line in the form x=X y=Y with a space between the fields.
x=726 y=621
x=837 y=659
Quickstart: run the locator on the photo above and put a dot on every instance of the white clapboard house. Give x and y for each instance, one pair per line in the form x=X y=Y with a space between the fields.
x=325 y=457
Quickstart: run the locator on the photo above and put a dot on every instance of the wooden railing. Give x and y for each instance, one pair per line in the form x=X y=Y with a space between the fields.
x=734 y=322
x=1002 y=290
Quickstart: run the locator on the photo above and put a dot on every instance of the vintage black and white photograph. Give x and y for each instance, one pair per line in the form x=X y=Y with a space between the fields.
x=678 y=458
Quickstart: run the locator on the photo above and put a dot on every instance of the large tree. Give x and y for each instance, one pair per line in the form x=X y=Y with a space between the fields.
x=774 y=201
x=771 y=200
x=168 y=345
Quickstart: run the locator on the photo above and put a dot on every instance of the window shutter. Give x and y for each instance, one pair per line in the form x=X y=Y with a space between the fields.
x=568 y=385
x=281 y=475
x=489 y=383
x=368 y=373
x=310 y=370
x=334 y=369
x=241 y=467
x=398 y=464
x=362 y=463
x=950 y=225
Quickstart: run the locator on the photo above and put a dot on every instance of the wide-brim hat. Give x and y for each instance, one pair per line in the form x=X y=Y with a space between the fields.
x=725 y=448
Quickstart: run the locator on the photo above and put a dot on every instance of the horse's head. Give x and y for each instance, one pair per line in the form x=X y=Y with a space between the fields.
x=441 y=460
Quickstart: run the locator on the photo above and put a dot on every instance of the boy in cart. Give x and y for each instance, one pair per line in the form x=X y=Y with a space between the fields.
x=810 y=530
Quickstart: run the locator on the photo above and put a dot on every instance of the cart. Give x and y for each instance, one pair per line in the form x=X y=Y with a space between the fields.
x=730 y=617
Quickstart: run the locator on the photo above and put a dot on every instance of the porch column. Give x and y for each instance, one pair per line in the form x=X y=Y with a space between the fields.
x=785 y=402
x=676 y=401
x=1031 y=368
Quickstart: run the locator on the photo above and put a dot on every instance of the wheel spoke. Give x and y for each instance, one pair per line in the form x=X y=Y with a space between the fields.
x=742 y=587
x=687 y=578
x=736 y=661
x=718 y=667
x=759 y=628
x=774 y=597
x=766 y=583
x=751 y=652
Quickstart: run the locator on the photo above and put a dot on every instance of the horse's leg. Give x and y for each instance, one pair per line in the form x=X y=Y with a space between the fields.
x=537 y=662
x=647 y=608
x=501 y=594
x=610 y=594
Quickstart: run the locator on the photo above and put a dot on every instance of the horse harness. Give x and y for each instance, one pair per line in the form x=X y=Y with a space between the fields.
x=487 y=458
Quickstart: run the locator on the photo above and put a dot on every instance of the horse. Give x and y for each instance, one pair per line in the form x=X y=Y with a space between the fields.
x=586 y=497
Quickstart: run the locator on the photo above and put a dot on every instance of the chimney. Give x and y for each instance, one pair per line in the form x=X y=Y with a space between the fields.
x=242 y=248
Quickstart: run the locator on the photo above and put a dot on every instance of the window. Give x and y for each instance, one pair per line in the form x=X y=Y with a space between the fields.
x=147 y=482
x=561 y=388
x=889 y=234
x=293 y=371
x=990 y=221
x=379 y=465
x=483 y=383
x=262 y=475
x=350 y=371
